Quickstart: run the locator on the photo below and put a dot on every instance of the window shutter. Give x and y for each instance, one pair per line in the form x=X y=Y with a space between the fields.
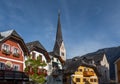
x=2 y=47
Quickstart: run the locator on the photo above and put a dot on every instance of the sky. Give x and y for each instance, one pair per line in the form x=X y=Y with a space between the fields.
x=87 y=25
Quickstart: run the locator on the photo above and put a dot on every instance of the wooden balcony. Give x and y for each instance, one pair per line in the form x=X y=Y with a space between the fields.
x=88 y=73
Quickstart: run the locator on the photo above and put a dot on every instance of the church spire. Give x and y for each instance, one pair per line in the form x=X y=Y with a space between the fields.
x=59 y=48
x=59 y=31
x=59 y=38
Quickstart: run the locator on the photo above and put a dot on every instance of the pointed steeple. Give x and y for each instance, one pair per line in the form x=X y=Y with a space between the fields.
x=59 y=38
x=59 y=31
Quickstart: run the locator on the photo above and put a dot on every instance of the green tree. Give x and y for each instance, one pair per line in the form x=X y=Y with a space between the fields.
x=34 y=64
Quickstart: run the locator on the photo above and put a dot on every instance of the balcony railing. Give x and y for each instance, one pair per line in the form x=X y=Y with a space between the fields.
x=88 y=73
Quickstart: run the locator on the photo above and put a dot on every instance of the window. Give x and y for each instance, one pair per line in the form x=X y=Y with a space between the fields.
x=6 y=47
x=91 y=80
x=85 y=69
x=33 y=55
x=52 y=58
x=57 y=60
x=2 y=66
x=15 y=50
x=40 y=56
x=77 y=79
x=50 y=67
x=95 y=80
x=80 y=70
x=62 y=54
x=84 y=80
x=16 y=67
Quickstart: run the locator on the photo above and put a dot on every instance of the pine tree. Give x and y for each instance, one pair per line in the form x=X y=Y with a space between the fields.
x=34 y=68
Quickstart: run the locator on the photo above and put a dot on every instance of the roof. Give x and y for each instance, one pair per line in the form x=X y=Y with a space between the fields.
x=59 y=38
x=72 y=65
x=32 y=44
x=117 y=60
x=97 y=57
x=37 y=46
x=57 y=56
x=5 y=34
x=12 y=34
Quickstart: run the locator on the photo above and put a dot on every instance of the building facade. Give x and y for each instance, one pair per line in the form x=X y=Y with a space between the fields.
x=117 y=70
x=12 y=52
x=77 y=71
x=84 y=75
x=101 y=62
x=36 y=50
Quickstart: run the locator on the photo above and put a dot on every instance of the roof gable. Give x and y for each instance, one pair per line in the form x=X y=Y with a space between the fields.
x=32 y=44
x=37 y=46
x=12 y=34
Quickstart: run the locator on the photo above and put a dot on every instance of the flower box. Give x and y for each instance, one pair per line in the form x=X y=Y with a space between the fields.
x=6 y=52
x=16 y=54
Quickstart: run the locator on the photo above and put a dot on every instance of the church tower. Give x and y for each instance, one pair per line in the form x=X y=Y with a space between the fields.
x=59 y=48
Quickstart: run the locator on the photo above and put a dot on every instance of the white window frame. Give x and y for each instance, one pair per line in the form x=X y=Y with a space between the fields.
x=13 y=50
x=4 y=47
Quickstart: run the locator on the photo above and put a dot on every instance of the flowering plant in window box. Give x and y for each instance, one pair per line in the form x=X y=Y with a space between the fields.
x=7 y=52
x=16 y=54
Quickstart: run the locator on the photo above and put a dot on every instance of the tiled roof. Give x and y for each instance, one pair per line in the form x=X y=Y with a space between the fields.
x=94 y=56
x=32 y=44
x=56 y=56
x=5 y=34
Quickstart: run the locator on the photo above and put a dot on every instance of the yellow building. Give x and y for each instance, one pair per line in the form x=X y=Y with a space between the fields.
x=84 y=75
x=117 y=70
x=77 y=71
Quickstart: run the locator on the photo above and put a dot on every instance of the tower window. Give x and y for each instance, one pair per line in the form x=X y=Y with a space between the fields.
x=62 y=53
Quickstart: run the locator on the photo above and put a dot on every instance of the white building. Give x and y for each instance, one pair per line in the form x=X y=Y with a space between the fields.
x=36 y=49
